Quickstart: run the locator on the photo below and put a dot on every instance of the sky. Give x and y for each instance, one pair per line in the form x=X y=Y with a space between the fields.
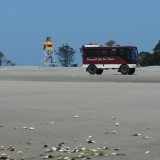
x=25 y=24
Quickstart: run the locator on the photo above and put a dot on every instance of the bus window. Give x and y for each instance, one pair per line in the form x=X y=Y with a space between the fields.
x=102 y=52
x=87 y=53
x=126 y=54
x=94 y=52
x=122 y=52
x=113 y=52
x=84 y=53
x=135 y=54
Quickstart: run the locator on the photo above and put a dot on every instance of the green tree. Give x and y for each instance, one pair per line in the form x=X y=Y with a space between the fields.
x=4 y=61
x=156 y=54
x=144 y=58
x=1 y=58
x=148 y=59
x=110 y=43
x=66 y=55
x=157 y=47
x=143 y=54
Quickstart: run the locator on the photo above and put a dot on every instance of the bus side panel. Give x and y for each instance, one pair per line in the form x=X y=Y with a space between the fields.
x=104 y=60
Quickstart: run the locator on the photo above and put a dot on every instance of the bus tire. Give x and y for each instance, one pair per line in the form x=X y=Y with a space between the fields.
x=99 y=71
x=124 y=69
x=131 y=71
x=92 y=69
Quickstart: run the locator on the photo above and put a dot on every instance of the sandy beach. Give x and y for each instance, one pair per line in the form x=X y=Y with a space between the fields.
x=67 y=105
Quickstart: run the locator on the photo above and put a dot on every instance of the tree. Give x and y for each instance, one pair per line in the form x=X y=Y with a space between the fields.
x=157 y=47
x=143 y=55
x=110 y=43
x=4 y=61
x=148 y=59
x=156 y=54
x=1 y=58
x=66 y=55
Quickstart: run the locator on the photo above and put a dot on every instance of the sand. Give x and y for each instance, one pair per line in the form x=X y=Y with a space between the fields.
x=37 y=97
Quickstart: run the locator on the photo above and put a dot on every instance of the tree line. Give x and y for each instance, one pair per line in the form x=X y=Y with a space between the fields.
x=66 y=56
x=4 y=61
x=151 y=59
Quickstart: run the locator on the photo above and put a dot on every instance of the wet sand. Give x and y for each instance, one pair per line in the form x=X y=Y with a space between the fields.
x=31 y=97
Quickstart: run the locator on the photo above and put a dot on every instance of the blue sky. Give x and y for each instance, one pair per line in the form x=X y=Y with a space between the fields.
x=26 y=23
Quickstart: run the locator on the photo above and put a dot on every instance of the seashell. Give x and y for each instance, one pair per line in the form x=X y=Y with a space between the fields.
x=25 y=127
x=83 y=148
x=31 y=128
x=50 y=156
x=105 y=148
x=12 y=149
x=89 y=137
x=44 y=157
x=67 y=148
x=74 y=140
x=2 y=147
x=47 y=150
x=46 y=145
x=76 y=116
x=90 y=141
x=20 y=152
x=113 y=118
x=54 y=148
x=117 y=149
x=93 y=150
x=79 y=156
x=3 y=154
x=114 y=153
x=137 y=134
x=147 y=152
x=60 y=150
x=23 y=158
x=117 y=124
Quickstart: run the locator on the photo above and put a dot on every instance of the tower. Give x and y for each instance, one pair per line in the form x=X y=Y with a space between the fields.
x=48 y=57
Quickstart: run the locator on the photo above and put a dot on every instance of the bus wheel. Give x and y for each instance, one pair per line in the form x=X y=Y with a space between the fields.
x=99 y=71
x=131 y=71
x=124 y=69
x=92 y=69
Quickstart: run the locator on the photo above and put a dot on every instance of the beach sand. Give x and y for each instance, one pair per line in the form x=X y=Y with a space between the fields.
x=31 y=98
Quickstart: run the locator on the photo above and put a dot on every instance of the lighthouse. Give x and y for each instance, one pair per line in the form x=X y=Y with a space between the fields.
x=48 y=57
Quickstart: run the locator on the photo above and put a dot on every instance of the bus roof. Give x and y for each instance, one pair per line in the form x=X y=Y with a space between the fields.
x=85 y=47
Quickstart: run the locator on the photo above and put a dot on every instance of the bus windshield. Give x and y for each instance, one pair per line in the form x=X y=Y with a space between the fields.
x=135 y=54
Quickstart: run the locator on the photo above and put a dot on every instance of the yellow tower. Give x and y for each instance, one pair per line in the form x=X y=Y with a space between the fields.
x=48 y=58
x=48 y=45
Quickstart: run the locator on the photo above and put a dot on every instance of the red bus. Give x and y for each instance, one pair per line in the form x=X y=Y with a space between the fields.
x=97 y=58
